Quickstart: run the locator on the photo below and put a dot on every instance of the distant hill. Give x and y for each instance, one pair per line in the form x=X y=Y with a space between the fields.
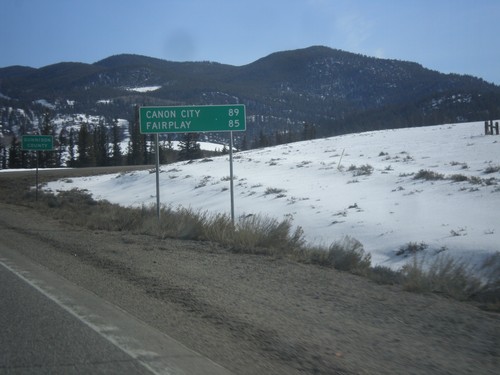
x=333 y=90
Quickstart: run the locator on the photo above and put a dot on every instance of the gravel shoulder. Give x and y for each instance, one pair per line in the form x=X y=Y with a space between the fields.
x=257 y=314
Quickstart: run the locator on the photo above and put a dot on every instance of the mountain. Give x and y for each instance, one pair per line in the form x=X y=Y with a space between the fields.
x=336 y=91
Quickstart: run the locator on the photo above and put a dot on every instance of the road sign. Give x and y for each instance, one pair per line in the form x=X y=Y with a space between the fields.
x=37 y=143
x=192 y=119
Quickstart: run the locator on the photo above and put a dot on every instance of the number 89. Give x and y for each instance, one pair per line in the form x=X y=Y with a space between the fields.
x=234 y=111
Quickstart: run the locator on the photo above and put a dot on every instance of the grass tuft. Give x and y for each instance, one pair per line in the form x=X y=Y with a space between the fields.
x=425 y=174
x=263 y=235
x=492 y=169
x=411 y=248
x=363 y=170
x=445 y=275
x=254 y=233
x=345 y=255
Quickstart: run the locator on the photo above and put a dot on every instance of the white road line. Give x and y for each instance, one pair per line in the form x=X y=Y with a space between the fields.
x=159 y=353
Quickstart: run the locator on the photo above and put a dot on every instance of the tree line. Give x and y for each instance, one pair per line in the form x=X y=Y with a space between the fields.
x=96 y=145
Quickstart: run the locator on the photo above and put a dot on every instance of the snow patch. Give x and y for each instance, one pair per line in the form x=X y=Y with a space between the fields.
x=45 y=103
x=372 y=195
x=144 y=89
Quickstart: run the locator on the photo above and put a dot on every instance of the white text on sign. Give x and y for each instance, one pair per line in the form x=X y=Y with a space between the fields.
x=158 y=118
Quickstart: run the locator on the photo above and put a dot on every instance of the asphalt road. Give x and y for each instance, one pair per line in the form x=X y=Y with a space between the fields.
x=50 y=326
x=39 y=336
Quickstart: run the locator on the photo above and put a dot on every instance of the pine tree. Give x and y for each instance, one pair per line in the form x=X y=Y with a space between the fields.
x=148 y=149
x=308 y=132
x=279 y=138
x=170 y=143
x=101 y=145
x=71 y=148
x=162 y=149
x=167 y=151
x=189 y=148
x=262 y=141
x=244 y=143
x=137 y=142
x=84 y=146
x=116 y=151
x=130 y=160
x=61 y=148
x=47 y=158
x=3 y=153
x=15 y=154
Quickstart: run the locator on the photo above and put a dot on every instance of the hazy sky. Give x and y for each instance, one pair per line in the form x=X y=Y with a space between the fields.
x=451 y=36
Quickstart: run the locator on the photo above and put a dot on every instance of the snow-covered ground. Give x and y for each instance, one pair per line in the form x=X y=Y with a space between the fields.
x=359 y=185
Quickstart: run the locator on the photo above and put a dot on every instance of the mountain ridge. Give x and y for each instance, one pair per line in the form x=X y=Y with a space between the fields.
x=335 y=90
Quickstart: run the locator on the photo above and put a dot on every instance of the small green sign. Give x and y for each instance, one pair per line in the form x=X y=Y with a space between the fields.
x=192 y=119
x=37 y=143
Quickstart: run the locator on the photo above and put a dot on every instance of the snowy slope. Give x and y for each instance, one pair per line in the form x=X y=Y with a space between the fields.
x=372 y=196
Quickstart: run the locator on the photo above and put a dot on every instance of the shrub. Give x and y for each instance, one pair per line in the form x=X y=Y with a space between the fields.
x=345 y=255
x=349 y=255
x=458 y=178
x=219 y=228
x=274 y=191
x=204 y=181
x=116 y=218
x=489 y=295
x=254 y=232
x=490 y=269
x=490 y=181
x=475 y=180
x=492 y=169
x=385 y=275
x=425 y=174
x=407 y=175
x=364 y=170
x=462 y=165
x=411 y=248
x=263 y=235
x=183 y=223
x=444 y=275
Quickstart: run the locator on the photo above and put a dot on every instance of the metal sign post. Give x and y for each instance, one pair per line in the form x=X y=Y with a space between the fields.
x=231 y=184
x=36 y=176
x=157 y=177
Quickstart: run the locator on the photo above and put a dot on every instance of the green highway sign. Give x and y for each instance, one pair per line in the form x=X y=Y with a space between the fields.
x=192 y=119
x=37 y=143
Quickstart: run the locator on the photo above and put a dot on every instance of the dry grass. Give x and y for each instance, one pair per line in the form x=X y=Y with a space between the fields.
x=263 y=235
x=428 y=175
x=444 y=275
x=345 y=255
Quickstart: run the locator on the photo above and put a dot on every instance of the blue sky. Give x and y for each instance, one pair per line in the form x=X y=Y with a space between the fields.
x=451 y=36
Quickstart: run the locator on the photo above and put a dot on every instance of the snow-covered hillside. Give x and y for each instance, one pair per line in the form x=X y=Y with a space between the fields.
x=362 y=185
